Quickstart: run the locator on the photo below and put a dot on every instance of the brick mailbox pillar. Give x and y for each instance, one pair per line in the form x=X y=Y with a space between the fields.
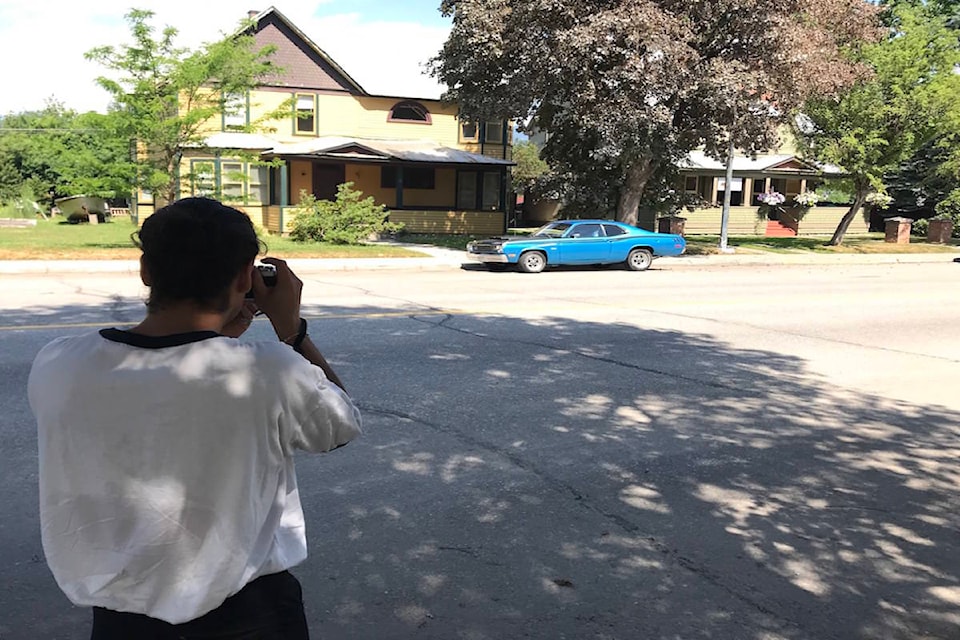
x=671 y=224
x=939 y=231
x=898 y=230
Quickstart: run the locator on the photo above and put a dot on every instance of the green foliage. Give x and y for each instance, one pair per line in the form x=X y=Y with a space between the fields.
x=164 y=94
x=56 y=152
x=350 y=219
x=531 y=169
x=624 y=87
x=911 y=99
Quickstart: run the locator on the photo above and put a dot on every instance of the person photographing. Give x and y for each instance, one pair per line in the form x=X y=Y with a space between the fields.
x=168 y=491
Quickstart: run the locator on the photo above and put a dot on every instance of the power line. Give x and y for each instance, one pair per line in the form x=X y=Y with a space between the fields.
x=45 y=129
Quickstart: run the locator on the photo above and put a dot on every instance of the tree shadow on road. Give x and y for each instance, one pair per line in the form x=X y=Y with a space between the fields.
x=551 y=478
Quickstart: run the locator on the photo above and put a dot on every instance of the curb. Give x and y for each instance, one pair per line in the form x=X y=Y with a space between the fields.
x=448 y=258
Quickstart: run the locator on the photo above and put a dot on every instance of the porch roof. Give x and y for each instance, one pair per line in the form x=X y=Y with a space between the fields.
x=382 y=151
x=238 y=140
x=783 y=164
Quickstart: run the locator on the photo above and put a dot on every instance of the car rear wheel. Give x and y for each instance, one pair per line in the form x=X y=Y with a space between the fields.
x=639 y=260
x=532 y=262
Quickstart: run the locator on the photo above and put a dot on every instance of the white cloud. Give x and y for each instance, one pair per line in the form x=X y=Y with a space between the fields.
x=42 y=46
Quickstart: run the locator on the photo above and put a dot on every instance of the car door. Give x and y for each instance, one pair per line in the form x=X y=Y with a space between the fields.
x=584 y=243
x=619 y=241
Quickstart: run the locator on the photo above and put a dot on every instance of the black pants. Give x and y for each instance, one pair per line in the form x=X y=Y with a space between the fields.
x=269 y=608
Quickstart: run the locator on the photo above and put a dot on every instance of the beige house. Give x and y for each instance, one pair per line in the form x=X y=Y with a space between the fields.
x=435 y=172
x=779 y=171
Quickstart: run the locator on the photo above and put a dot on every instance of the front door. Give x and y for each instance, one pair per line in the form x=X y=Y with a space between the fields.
x=326 y=179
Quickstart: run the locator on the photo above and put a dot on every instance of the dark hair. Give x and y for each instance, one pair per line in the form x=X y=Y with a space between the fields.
x=193 y=249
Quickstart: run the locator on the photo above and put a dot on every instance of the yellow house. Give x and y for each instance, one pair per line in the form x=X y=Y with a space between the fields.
x=434 y=172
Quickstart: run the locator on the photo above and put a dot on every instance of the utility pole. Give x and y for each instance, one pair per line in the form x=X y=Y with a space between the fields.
x=727 y=192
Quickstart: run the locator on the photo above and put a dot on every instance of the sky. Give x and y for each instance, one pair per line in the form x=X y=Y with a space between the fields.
x=42 y=42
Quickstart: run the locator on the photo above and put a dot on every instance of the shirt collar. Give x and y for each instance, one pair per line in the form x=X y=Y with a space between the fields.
x=156 y=342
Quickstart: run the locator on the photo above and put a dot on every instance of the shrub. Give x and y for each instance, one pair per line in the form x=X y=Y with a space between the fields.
x=25 y=206
x=946 y=209
x=350 y=219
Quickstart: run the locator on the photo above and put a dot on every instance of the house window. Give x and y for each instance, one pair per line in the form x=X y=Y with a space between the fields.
x=491 y=191
x=469 y=132
x=690 y=184
x=466 y=190
x=413 y=177
x=259 y=183
x=736 y=191
x=493 y=132
x=203 y=178
x=409 y=111
x=234 y=111
x=759 y=186
x=232 y=177
x=306 y=117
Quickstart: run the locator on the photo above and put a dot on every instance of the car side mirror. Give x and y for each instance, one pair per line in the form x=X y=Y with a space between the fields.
x=575 y=235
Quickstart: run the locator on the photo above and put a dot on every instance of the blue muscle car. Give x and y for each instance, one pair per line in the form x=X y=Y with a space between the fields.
x=578 y=242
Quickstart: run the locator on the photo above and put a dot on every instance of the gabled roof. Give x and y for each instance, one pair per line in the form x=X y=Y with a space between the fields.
x=265 y=17
x=775 y=163
x=378 y=150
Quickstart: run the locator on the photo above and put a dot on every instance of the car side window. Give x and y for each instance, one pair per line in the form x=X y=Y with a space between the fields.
x=613 y=230
x=587 y=231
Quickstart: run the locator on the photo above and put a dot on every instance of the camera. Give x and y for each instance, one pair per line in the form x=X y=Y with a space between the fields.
x=269 y=274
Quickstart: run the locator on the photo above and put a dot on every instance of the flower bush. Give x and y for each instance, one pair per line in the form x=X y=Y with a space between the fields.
x=772 y=198
x=807 y=199
x=879 y=200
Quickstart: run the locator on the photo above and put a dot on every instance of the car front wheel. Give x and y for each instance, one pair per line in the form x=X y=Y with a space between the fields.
x=639 y=260
x=532 y=262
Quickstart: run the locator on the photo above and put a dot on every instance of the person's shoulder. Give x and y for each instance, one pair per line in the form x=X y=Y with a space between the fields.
x=269 y=351
x=61 y=350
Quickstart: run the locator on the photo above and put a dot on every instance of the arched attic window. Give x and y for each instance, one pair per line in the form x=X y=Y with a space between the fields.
x=409 y=111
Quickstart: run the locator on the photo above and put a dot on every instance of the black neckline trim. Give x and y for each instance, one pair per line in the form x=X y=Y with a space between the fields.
x=156 y=342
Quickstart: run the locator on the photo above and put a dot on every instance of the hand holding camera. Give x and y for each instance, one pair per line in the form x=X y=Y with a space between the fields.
x=279 y=301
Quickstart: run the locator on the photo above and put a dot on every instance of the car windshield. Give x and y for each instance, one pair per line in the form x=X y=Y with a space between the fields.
x=552 y=230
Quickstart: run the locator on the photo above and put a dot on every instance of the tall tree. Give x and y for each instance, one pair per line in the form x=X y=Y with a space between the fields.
x=872 y=128
x=625 y=86
x=164 y=94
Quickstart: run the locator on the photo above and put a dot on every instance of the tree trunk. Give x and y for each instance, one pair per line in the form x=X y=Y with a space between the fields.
x=847 y=218
x=636 y=181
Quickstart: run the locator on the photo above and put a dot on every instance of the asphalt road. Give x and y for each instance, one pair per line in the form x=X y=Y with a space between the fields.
x=733 y=453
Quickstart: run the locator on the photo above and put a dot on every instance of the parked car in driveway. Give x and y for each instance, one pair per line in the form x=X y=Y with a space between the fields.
x=573 y=242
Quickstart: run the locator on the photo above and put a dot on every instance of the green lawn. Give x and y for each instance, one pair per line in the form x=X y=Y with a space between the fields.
x=53 y=240
x=57 y=240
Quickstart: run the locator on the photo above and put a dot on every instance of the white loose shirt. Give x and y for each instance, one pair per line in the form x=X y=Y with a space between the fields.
x=167 y=480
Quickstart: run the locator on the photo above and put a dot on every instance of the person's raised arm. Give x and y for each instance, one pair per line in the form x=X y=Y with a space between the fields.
x=281 y=304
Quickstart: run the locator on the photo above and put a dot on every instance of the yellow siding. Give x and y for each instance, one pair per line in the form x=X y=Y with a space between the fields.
x=144 y=211
x=442 y=195
x=366 y=178
x=452 y=222
x=301 y=179
x=824 y=221
x=359 y=116
x=271 y=218
x=745 y=221
x=489 y=149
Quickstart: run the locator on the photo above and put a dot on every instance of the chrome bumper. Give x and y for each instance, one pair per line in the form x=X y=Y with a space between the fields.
x=487 y=257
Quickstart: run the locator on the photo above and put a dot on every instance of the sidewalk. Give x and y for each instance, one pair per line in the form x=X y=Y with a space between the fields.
x=441 y=258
